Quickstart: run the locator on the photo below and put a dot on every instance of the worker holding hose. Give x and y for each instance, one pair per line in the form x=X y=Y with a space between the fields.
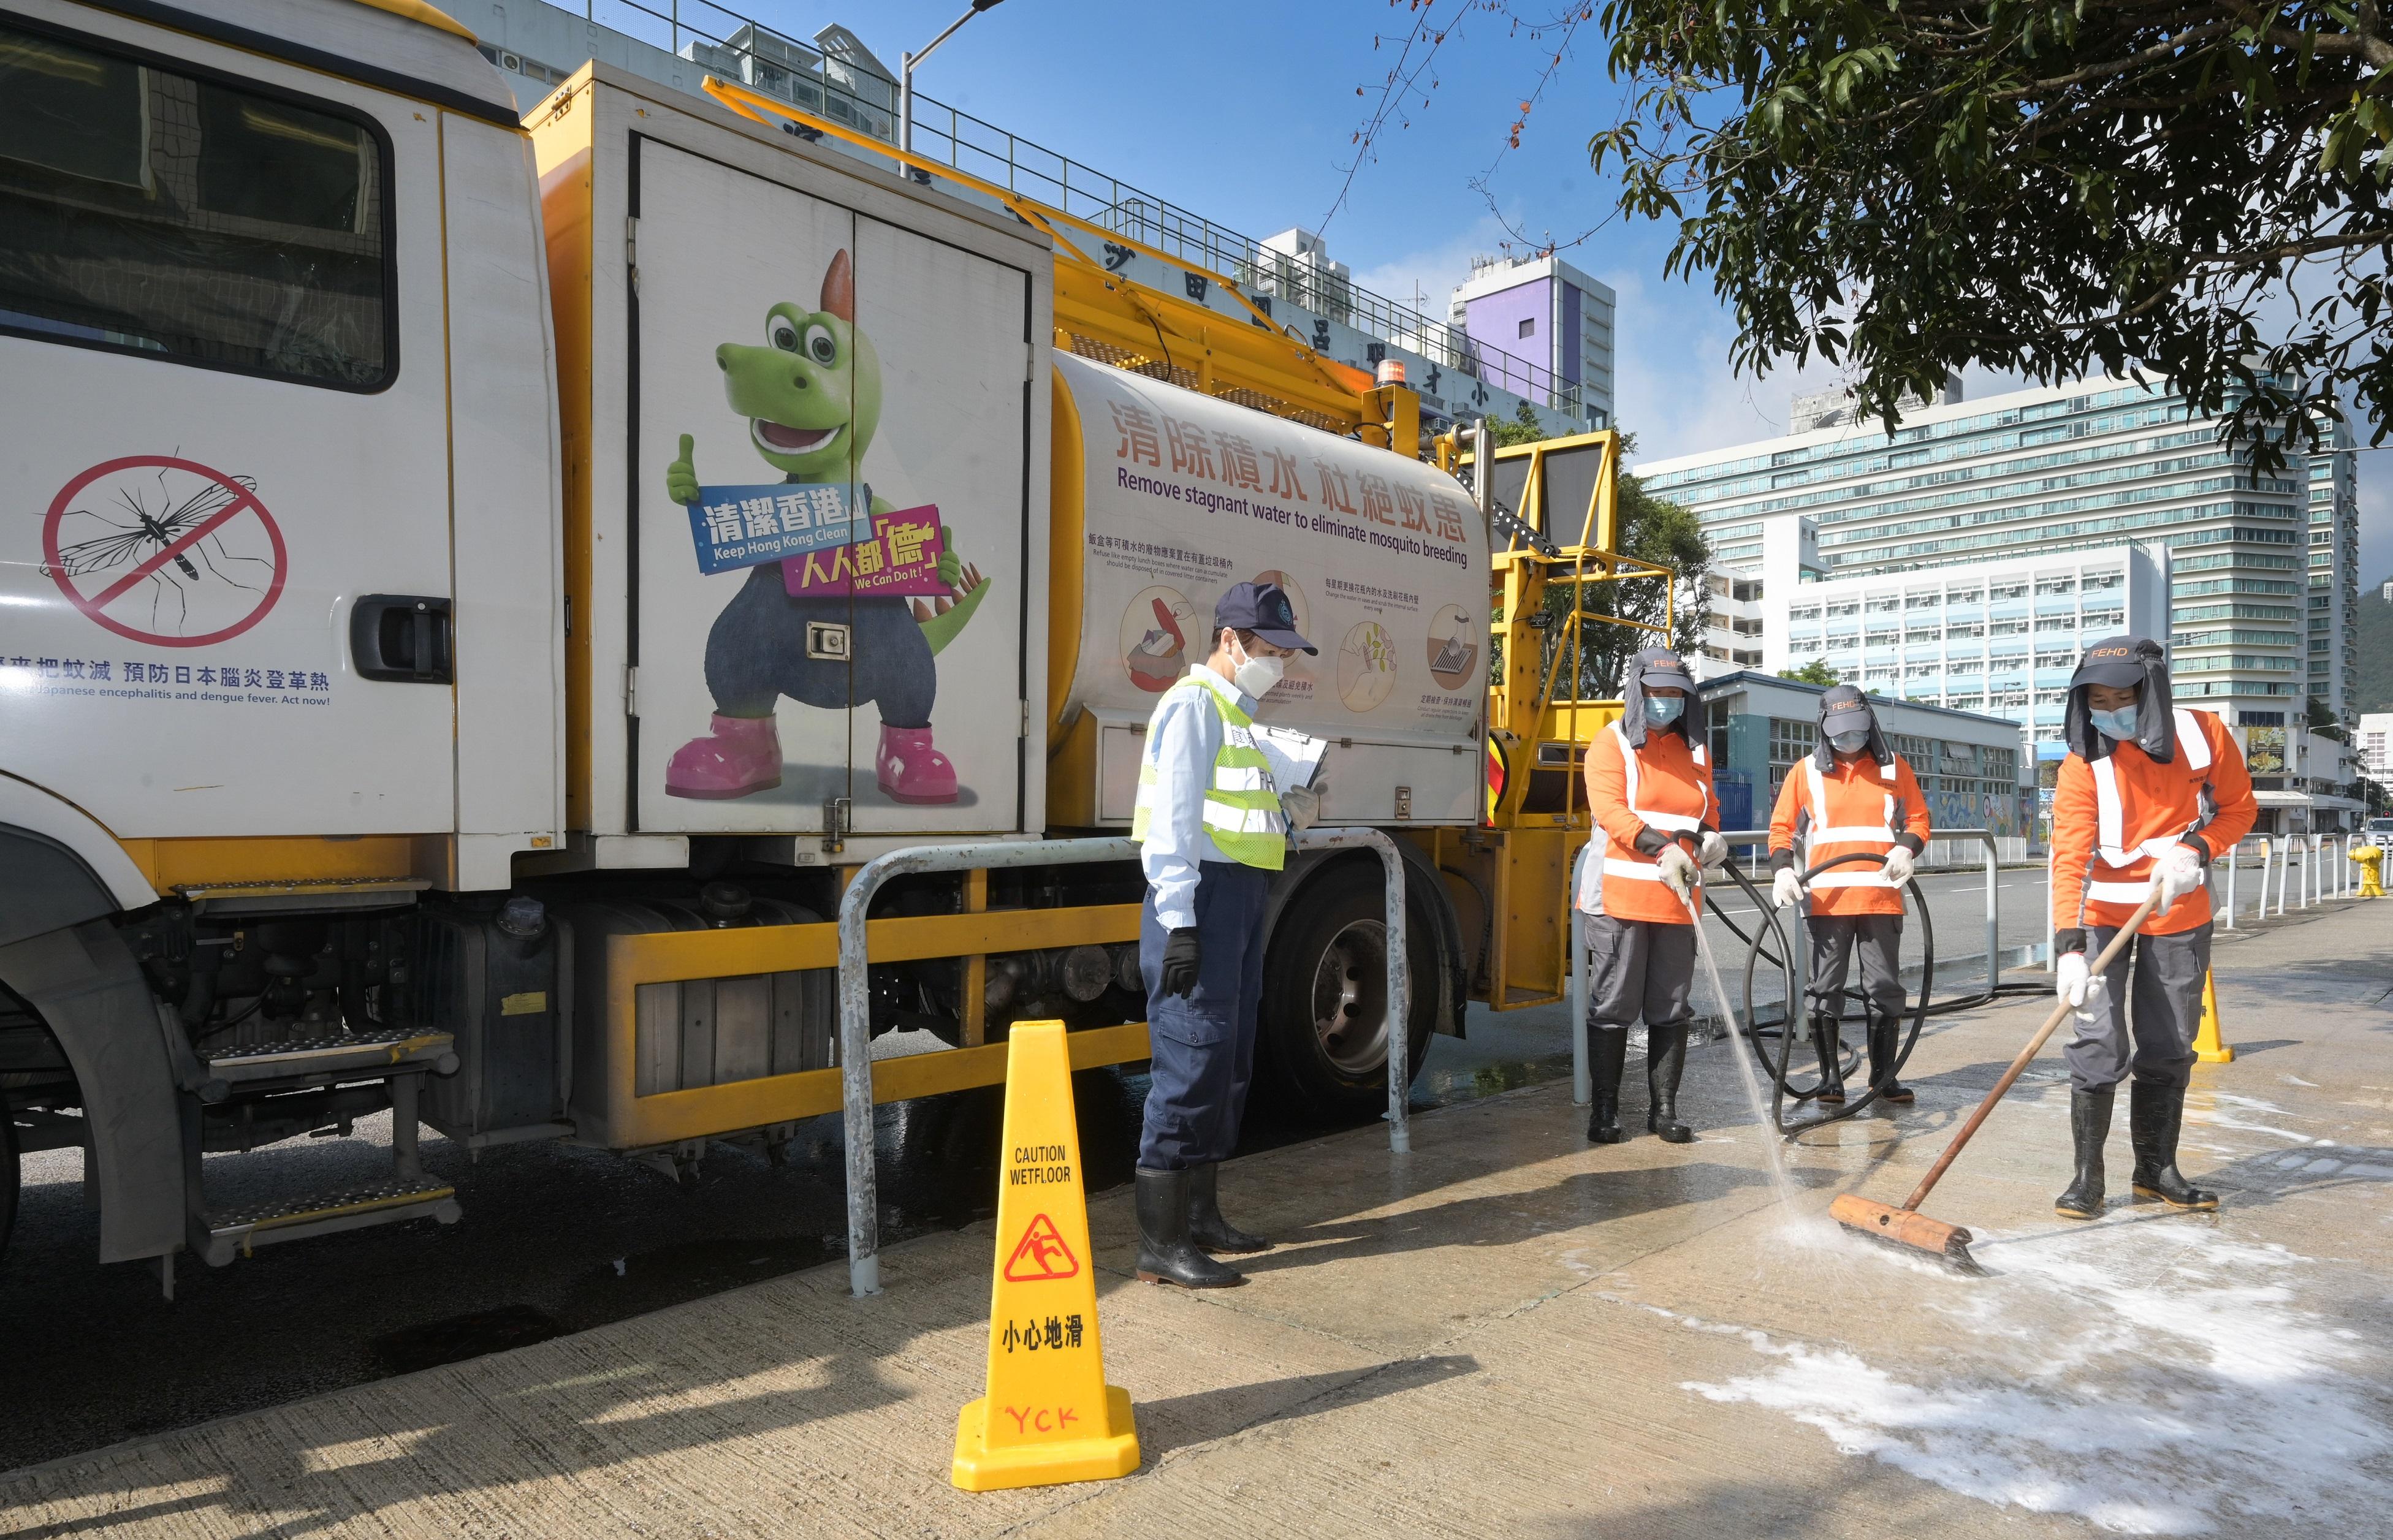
x=2149 y=795
x=1852 y=795
x=1649 y=785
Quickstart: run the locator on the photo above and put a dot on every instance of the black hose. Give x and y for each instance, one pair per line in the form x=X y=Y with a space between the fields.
x=1782 y=1090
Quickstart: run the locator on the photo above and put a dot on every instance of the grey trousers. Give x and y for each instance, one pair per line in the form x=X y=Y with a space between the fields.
x=2156 y=985
x=1835 y=939
x=1641 y=968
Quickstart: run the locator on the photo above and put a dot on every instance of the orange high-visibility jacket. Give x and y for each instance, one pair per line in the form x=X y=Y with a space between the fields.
x=1665 y=786
x=2113 y=817
x=1858 y=806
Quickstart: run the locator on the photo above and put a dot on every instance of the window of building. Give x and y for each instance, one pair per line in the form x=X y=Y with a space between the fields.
x=1844 y=606
x=1965 y=630
x=1968 y=595
x=1789 y=741
x=1529 y=327
x=1966 y=702
x=1885 y=603
x=2055 y=660
x=1922 y=671
x=2057 y=623
x=1923 y=633
x=2014 y=588
x=2056 y=585
x=1923 y=601
x=151 y=212
x=2052 y=698
x=2095 y=581
x=1967 y=665
x=1803 y=612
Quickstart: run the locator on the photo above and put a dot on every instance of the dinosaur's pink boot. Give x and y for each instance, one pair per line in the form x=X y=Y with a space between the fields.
x=910 y=770
x=738 y=756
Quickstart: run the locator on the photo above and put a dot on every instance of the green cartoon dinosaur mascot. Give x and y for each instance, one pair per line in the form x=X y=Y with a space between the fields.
x=812 y=397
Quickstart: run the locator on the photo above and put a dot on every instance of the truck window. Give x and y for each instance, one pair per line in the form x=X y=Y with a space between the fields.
x=148 y=211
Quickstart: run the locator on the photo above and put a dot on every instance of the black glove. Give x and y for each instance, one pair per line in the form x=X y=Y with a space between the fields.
x=1180 y=962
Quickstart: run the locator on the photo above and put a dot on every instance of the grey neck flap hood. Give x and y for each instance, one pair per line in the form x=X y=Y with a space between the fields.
x=1657 y=666
x=2123 y=660
x=1847 y=702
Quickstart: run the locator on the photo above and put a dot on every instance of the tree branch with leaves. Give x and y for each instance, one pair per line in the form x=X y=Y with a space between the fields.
x=1907 y=188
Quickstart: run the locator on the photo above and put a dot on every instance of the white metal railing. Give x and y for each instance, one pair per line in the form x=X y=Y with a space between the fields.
x=856 y=1012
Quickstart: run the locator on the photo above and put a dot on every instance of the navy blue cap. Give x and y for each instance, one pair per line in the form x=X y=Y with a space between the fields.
x=1265 y=610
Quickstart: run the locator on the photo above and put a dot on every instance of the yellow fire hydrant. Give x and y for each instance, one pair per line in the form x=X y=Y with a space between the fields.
x=2372 y=866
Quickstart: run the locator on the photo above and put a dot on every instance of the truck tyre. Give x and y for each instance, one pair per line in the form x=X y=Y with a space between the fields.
x=7 y=1176
x=1322 y=1038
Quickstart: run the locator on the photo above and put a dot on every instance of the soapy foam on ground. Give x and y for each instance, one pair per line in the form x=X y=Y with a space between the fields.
x=2156 y=1380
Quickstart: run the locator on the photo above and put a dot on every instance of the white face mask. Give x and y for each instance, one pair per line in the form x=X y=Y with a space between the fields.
x=1255 y=676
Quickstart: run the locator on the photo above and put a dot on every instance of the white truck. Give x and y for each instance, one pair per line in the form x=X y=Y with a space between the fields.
x=474 y=590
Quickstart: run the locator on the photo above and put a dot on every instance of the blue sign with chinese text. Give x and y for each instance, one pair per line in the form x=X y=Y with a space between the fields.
x=739 y=527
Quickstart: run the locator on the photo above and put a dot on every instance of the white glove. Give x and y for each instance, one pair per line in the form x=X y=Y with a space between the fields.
x=1786 y=888
x=1302 y=806
x=2075 y=982
x=2178 y=873
x=1897 y=865
x=1677 y=868
x=1713 y=854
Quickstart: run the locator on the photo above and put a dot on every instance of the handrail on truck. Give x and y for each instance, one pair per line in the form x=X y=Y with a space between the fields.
x=1582 y=1082
x=854 y=995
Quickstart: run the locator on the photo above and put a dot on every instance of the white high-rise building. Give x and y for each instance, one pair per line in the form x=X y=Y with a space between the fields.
x=2261 y=567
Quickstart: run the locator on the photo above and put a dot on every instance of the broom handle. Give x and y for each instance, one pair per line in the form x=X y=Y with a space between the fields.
x=2035 y=1046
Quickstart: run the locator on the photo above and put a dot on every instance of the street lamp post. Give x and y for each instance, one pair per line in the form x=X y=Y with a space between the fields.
x=906 y=72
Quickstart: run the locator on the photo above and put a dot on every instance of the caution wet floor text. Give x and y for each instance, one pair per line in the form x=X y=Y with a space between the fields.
x=1048 y=1415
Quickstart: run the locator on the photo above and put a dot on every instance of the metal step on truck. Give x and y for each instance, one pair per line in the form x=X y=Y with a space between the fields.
x=488 y=591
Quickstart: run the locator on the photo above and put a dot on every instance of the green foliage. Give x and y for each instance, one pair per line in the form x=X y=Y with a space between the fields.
x=1524 y=428
x=1909 y=187
x=1816 y=671
x=2374 y=652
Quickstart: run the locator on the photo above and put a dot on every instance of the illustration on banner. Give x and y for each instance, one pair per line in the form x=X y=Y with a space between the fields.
x=1156 y=633
x=848 y=598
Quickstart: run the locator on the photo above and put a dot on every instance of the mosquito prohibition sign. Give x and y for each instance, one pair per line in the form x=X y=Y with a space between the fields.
x=184 y=553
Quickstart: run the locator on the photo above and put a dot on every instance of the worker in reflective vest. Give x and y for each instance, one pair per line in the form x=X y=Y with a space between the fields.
x=1851 y=795
x=1649 y=786
x=2148 y=797
x=1212 y=829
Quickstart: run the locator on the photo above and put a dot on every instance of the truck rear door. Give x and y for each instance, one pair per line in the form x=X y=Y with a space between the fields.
x=224 y=562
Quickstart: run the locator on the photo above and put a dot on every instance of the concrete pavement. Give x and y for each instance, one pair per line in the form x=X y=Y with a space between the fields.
x=1506 y=1333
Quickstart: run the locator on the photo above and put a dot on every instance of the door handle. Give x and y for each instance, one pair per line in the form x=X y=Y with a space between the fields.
x=405 y=638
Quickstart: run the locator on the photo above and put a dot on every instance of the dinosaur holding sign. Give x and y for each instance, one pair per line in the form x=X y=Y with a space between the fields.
x=812 y=397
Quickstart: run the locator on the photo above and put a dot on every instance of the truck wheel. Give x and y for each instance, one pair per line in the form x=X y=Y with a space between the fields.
x=7 y=1176
x=1324 y=1023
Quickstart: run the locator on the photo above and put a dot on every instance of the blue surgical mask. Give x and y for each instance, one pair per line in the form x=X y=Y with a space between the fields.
x=2119 y=724
x=1662 y=710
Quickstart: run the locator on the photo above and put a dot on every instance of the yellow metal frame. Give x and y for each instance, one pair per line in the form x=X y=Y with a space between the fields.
x=1516 y=871
x=706 y=1112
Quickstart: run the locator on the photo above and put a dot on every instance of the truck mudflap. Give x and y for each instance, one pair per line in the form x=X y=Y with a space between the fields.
x=89 y=989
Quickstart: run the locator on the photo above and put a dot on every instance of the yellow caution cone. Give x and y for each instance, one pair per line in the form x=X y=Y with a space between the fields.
x=1049 y=1415
x=2206 y=1044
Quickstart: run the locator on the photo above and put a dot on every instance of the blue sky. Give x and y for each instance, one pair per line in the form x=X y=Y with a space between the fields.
x=1242 y=110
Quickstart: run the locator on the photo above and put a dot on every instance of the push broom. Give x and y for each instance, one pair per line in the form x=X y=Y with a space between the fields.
x=1906 y=1225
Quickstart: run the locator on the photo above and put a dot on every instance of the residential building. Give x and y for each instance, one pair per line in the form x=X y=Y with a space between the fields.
x=1543 y=311
x=1970 y=766
x=2060 y=471
x=2375 y=746
x=2331 y=617
x=1289 y=278
x=2000 y=637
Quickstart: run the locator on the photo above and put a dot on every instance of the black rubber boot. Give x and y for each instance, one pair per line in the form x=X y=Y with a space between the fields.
x=1205 y=1225
x=1165 y=1255
x=2154 y=1114
x=1666 y=1057
x=1829 y=1045
x=1607 y=1050
x=1885 y=1045
x=2089 y=1124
